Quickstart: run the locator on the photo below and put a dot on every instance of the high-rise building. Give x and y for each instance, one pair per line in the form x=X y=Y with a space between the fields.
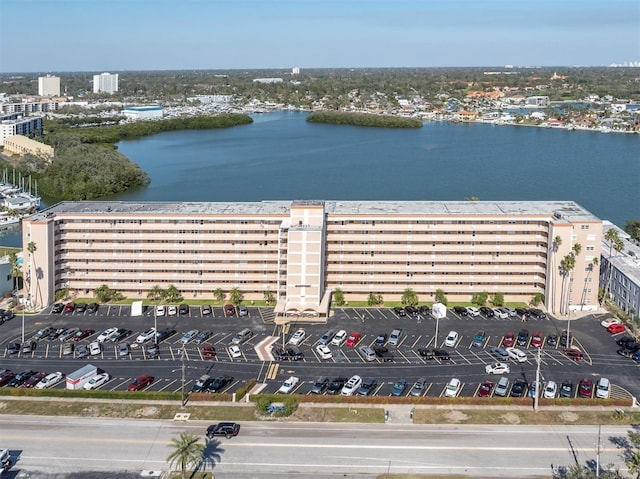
x=303 y=251
x=295 y=71
x=105 y=83
x=49 y=86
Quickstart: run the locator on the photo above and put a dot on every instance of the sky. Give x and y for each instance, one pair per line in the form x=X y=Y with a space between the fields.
x=121 y=35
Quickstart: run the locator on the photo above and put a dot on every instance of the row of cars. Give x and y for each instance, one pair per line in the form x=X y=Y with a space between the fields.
x=500 y=313
x=43 y=380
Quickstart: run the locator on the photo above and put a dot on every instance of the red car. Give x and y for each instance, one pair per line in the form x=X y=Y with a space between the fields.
x=353 y=339
x=33 y=380
x=585 y=388
x=574 y=353
x=208 y=352
x=485 y=390
x=5 y=377
x=509 y=339
x=616 y=328
x=140 y=382
x=69 y=307
x=83 y=333
x=536 y=340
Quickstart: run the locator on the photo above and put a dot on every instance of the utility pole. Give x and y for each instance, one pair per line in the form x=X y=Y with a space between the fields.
x=182 y=357
x=598 y=452
x=537 y=387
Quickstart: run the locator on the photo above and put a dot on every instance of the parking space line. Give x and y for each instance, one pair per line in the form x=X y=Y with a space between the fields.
x=416 y=341
x=169 y=384
x=403 y=356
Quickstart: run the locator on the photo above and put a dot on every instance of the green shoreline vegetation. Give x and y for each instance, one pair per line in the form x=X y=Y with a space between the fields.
x=363 y=119
x=87 y=164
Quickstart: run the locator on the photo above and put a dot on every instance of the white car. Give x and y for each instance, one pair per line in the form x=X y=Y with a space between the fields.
x=453 y=388
x=172 y=310
x=188 y=336
x=452 y=339
x=96 y=381
x=323 y=351
x=146 y=336
x=339 y=338
x=351 y=386
x=500 y=313
x=297 y=337
x=235 y=351
x=50 y=380
x=497 y=368
x=288 y=385
x=510 y=311
x=106 y=335
x=95 y=348
x=472 y=311
x=550 y=390
x=160 y=311
x=605 y=323
x=517 y=355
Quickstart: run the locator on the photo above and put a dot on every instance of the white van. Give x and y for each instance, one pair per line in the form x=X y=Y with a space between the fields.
x=602 y=388
x=242 y=336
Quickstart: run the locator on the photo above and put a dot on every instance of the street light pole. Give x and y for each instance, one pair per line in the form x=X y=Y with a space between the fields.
x=182 y=355
x=537 y=386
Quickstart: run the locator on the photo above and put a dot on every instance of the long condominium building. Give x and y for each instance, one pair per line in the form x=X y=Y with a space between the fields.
x=302 y=251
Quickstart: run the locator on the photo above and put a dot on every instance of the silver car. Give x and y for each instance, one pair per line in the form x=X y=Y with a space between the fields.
x=189 y=335
x=419 y=387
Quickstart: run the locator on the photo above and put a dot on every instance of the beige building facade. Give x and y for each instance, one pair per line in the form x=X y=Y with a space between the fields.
x=21 y=145
x=301 y=251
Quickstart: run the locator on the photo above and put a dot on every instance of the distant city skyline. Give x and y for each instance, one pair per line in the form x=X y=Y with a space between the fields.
x=120 y=35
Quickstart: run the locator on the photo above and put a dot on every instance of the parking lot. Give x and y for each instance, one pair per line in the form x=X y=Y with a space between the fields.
x=408 y=359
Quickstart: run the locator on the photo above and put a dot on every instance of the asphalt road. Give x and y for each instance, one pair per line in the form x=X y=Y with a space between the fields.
x=58 y=446
x=467 y=362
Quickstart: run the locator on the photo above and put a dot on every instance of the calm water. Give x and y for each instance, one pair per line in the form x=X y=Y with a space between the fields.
x=281 y=156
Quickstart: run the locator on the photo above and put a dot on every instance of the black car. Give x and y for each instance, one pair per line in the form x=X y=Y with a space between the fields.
x=164 y=334
x=294 y=353
x=13 y=348
x=627 y=353
x=152 y=350
x=320 y=385
x=81 y=307
x=424 y=310
x=552 y=340
x=488 y=312
x=336 y=386
x=53 y=335
x=523 y=337
x=383 y=353
x=279 y=353
x=92 y=308
x=523 y=312
x=399 y=311
x=120 y=334
x=413 y=311
x=219 y=383
x=460 y=310
x=381 y=340
x=566 y=389
x=327 y=337
x=367 y=387
x=20 y=378
x=202 y=336
x=441 y=354
x=226 y=429
x=537 y=313
x=57 y=308
x=565 y=339
x=201 y=384
x=183 y=309
x=43 y=333
x=519 y=388
x=7 y=315
x=624 y=340
x=632 y=346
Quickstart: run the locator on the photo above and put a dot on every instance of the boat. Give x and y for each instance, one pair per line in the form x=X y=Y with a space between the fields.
x=8 y=220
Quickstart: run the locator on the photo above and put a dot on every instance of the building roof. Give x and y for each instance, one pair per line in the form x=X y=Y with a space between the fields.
x=626 y=261
x=562 y=211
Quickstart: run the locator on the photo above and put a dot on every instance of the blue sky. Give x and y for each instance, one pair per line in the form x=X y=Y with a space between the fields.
x=120 y=35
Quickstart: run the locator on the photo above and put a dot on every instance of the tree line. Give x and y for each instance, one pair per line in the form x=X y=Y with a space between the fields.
x=363 y=119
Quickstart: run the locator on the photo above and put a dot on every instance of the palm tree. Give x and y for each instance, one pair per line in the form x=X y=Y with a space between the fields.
x=235 y=296
x=187 y=452
x=409 y=296
x=32 y=248
x=172 y=294
x=156 y=294
x=219 y=294
x=268 y=297
x=566 y=266
x=612 y=237
x=16 y=270
x=592 y=266
x=555 y=246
